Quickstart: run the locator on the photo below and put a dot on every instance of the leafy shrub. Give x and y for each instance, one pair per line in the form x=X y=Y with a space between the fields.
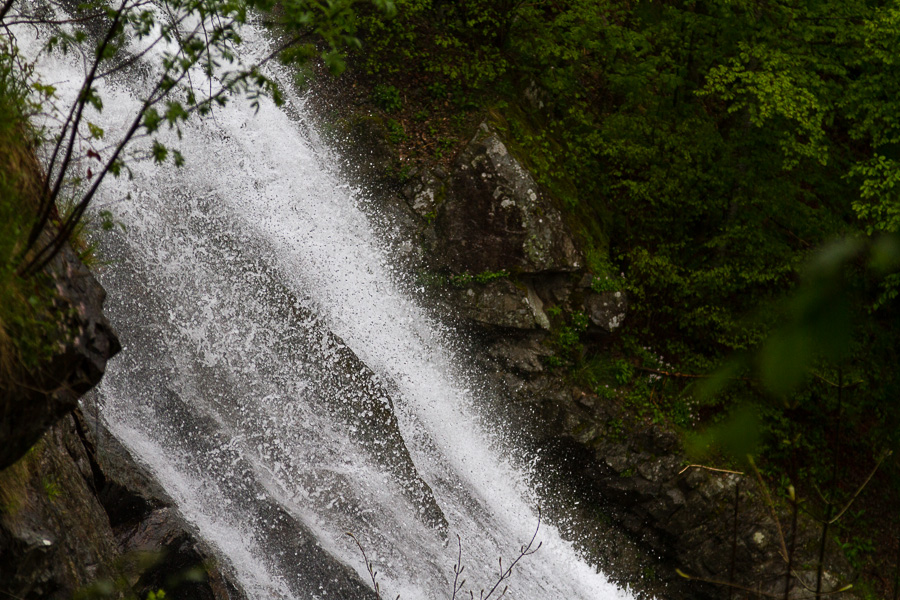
x=395 y=131
x=387 y=97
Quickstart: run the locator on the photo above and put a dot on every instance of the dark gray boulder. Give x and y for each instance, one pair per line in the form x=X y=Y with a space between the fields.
x=502 y=303
x=494 y=216
x=606 y=310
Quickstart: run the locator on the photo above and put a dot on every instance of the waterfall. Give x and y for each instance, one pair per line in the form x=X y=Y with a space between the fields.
x=283 y=385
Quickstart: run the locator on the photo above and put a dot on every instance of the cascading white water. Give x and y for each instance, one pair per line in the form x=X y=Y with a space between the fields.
x=283 y=387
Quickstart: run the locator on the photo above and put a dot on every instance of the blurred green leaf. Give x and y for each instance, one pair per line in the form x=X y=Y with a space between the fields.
x=885 y=254
x=706 y=390
x=736 y=437
x=785 y=358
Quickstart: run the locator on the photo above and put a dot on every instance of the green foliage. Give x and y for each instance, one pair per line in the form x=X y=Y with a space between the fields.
x=710 y=132
x=624 y=372
x=615 y=429
x=194 y=35
x=567 y=339
x=51 y=488
x=465 y=279
x=443 y=146
x=823 y=330
x=619 y=115
x=605 y=284
x=395 y=132
x=387 y=98
x=858 y=550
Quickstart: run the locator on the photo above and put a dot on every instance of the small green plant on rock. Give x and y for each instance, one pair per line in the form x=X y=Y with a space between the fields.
x=430 y=279
x=567 y=338
x=624 y=372
x=395 y=131
x=605 y=284
x=387 y=98
x=554 y=362
x=615 y=429
x=465 y=279
x=438 y=90
x=858 y=550
x=444 y=145
x=51 y=488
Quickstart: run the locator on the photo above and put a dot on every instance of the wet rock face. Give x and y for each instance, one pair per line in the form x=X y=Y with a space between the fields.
x=53 y=535
x=521 y=355
x=503 y=303
x=77 y=513
x=494 y=217
x=364 y=141
x=486 y=219
x=426 y=192
x=29 y=410
x=710 y=524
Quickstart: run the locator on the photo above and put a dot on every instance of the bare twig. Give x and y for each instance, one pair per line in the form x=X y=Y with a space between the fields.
x=755 y=591
x=136 y=57
x=897 y=572
x=370 y=567
x=524 y=551
x=714 y=470
x=790 y=566
x=5 y=8
x=829 y=505
x=19 y=19
x=861 y=487
x=73 y=121
x=458 y=568
x=839 y=384
x=768 y=499
x=734 y=539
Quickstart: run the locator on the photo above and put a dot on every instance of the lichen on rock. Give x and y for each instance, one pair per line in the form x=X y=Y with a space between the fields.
x=494 y=216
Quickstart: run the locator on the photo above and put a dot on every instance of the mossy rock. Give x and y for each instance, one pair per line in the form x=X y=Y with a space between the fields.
x=495 y=216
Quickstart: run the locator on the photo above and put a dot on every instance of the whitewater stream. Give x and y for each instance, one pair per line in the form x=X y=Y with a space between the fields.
x=282 y=383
